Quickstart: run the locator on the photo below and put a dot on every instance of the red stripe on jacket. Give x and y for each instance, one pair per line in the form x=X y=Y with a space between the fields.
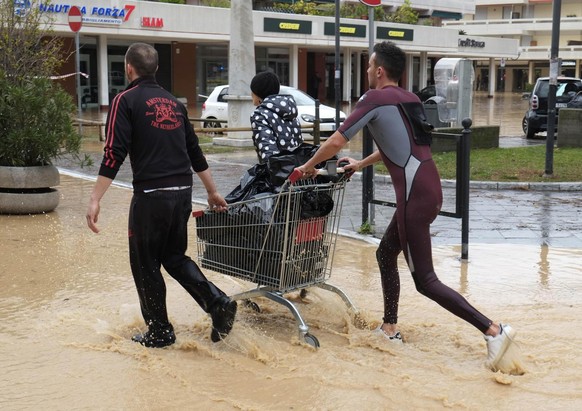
x=111 y=129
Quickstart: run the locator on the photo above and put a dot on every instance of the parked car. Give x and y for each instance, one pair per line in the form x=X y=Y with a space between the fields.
x=576 y=101
x=216 y=108
x=536 y=117
x=426 y=93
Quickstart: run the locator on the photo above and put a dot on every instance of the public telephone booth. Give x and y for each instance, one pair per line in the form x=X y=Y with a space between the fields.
x=454 y=89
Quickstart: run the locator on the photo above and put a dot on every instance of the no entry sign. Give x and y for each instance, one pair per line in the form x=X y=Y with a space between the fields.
x=75 y=19
x=371 y=3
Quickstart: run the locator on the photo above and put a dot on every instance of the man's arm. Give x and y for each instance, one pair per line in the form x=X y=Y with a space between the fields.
x=215 y=200
x=327 y=150
x=99 y=189
x=357 y=165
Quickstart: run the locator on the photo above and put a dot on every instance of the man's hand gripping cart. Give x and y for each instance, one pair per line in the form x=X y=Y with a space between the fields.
x=282 y=242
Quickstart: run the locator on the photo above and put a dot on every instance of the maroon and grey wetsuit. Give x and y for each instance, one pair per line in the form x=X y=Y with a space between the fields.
x=418 y=197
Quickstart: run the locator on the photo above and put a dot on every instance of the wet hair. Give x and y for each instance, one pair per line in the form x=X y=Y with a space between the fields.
x=143 y=58
x=391 y=58
x=265 y=84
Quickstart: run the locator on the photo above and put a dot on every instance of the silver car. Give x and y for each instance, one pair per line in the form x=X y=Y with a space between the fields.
x=216 y=108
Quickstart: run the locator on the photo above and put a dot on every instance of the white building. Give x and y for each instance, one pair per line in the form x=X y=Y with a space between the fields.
x=530 y=23
x=192 y=42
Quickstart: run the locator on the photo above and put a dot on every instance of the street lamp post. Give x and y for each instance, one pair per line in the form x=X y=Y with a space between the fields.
x=337 y=72
x=554 y=73
x=368 y=211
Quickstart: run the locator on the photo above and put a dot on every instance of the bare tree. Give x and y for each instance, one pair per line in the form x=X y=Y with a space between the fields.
x=27 y=46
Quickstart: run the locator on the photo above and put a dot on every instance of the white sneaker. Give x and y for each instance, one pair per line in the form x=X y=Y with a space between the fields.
x=497 y=346
x=396 y=338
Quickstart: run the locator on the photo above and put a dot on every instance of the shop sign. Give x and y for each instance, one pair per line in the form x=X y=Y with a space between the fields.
x=156 y=22
x=346 y=30
x=391 y=33
x=471 y=43
x=287 y=26
x=92 y=14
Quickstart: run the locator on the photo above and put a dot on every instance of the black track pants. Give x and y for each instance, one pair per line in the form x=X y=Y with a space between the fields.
x=158 y=236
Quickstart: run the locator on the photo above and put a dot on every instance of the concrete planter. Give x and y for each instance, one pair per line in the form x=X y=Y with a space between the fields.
x=481 y=137
x=569 y=122
x=28 y=190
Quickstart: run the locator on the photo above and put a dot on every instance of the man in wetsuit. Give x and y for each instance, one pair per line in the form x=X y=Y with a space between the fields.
x=391 y=114
x=148 y=123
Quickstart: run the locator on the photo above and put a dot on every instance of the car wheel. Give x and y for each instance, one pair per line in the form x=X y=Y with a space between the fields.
x=212 y=124
x=529 y=133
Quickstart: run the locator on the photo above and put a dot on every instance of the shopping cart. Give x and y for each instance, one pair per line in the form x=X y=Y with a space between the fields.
x=282 y=242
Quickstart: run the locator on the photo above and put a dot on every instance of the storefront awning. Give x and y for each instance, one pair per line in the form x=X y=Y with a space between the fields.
x=446 y=15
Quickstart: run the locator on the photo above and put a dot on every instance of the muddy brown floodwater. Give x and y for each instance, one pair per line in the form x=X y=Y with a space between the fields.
x=68 y=309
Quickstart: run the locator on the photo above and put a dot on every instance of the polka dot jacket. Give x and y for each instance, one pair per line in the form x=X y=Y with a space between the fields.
x=275 y=126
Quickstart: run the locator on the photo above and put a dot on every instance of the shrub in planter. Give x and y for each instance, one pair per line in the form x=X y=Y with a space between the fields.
x=35 y=112
x=35 y=128
x=35 y=123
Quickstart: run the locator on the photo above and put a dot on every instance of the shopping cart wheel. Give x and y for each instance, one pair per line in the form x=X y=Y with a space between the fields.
x=311 y=340
x=253 y=305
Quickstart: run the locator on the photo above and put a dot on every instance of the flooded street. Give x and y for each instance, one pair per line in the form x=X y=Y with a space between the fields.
x=505 y=110
x=68 y=309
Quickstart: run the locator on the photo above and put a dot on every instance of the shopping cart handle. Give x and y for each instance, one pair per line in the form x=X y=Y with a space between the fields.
x=197 y=213
x=324 y=172
x=295 y=175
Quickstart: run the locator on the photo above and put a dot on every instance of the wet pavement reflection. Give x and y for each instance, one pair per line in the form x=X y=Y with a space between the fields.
x=68 y=309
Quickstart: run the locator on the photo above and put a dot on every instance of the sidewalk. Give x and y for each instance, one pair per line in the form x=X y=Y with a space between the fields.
x=551 y=217
x=499 y=213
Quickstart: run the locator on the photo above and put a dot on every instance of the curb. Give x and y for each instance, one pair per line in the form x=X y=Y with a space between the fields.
x=495 y=185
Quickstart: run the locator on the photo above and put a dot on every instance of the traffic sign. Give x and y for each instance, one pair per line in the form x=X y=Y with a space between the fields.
x=371 y=3
x=75 y=19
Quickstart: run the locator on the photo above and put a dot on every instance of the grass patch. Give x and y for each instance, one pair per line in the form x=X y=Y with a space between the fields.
x=366 y=228
x=208 y=147
x=525 y=164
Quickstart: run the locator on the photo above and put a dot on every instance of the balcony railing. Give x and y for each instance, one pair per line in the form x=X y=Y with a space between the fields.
x=535 y=21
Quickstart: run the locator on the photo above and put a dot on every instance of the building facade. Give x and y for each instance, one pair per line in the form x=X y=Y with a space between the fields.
x=530 y=23
x=193 y=43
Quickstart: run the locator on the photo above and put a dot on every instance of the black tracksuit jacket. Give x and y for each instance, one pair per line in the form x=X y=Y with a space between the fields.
x=151 y=125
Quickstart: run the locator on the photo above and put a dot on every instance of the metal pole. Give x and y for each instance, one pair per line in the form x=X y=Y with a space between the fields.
x=316 y=125
x=370 y=30
x=368 y=215
x=78 y=76
x=554 y=73
x=465 y=183
x=337 y=72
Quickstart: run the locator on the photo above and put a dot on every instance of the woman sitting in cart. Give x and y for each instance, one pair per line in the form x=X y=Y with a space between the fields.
x=274 y=122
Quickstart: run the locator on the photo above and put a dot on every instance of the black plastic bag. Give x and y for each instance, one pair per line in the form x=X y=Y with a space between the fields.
x=281 y=165
x=254 y=181
x=315 y=203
